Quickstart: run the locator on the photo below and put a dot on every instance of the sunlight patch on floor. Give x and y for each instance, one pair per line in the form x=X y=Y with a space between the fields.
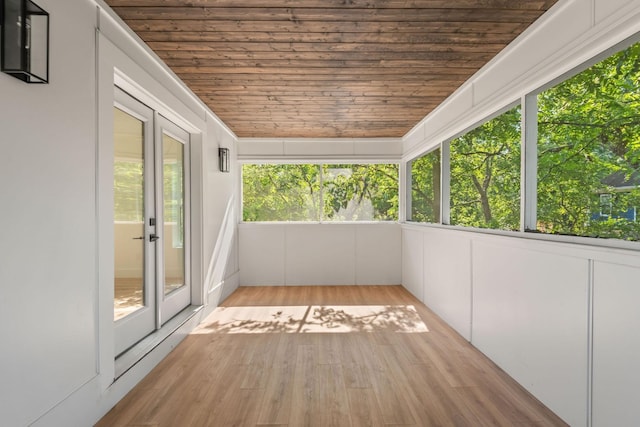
x=313 y=319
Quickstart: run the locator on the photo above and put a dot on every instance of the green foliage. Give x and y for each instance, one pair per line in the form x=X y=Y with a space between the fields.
x=360 y=192
x=280 y=192
x=589 y=131
x=425 y=188
x=128 y=191
x=485 y=174
x=173 y=192
x=293 y=192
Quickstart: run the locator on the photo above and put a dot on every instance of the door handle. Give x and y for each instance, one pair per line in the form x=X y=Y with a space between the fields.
x=153 y=237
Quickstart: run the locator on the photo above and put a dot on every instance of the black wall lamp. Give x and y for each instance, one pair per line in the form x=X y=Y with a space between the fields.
x=223 y=158
x=24 y=38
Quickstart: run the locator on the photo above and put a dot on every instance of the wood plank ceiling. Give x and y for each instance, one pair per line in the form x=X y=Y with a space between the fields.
x=326 y=68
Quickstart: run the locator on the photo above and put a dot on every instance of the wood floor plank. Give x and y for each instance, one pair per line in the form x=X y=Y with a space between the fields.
x=332 y=404
x=364 y=408
x=344 y=369
x=276 y=404
x=304 y=397
x=356 y=372
x=393 y=405
x=262 y=359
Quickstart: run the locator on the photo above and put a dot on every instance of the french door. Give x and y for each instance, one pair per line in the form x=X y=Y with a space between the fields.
x=151 y=227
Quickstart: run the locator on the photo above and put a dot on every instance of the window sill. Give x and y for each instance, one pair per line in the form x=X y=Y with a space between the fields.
x=532 y=235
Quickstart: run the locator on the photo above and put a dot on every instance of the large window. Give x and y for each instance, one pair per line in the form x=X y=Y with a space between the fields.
x=425 y=188
x=485 y=174
x=582 y=161
x=589 y=151
x=311 y=192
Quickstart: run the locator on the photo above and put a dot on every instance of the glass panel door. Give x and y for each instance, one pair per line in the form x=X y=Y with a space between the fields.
x=128 y=201
x=151 y=221
x=174 y=286
x=134 y=303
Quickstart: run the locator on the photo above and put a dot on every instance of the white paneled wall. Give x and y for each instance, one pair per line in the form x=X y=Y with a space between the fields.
x=319 y=254
x=530 y=317
x=616 y=344
x=412 y=263
x=292 y=148
x=447 y=279
x=528 y=306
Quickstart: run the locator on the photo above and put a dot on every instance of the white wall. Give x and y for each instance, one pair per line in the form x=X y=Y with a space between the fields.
x=56 y=249
x=261 y=149
x=559 y=315
x=220 y=216
x=616 y=343
x=319 y=254
x=48 y=244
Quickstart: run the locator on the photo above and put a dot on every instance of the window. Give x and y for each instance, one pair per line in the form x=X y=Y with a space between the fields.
x=330 y=192
x=485 y=174
x=425 y=188
x=582 y=158
x=281 y=192
x=589 y=151
x=360 y=192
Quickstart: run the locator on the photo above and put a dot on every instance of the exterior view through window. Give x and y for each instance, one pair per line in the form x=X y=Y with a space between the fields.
x=589 y=151
x=425 y=188
x=485 y=174
x=329 y=192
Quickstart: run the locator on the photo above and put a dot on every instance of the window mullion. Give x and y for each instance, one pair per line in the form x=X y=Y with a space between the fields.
x=445 y=183
x=321 y=203
x=529 y=163
x=404 y=191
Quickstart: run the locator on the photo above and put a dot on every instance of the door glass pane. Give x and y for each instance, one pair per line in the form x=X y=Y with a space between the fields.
x=128 y=194
x=173 y=192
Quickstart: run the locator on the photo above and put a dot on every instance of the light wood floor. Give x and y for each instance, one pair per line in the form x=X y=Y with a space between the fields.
x=326 y=356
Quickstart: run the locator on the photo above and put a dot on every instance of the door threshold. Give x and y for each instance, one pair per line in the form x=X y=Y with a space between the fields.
x=133 y=355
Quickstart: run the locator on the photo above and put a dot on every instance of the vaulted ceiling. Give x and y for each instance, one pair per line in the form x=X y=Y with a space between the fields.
x=326 y=68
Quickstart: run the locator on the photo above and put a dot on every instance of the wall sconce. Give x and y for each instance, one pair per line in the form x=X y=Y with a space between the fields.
x=24 y=53
x=223 y=157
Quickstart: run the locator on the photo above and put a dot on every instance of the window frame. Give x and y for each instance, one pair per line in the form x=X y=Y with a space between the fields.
x=528 y=165
x=510 y=106
x=409 y=187
x=319 y=163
